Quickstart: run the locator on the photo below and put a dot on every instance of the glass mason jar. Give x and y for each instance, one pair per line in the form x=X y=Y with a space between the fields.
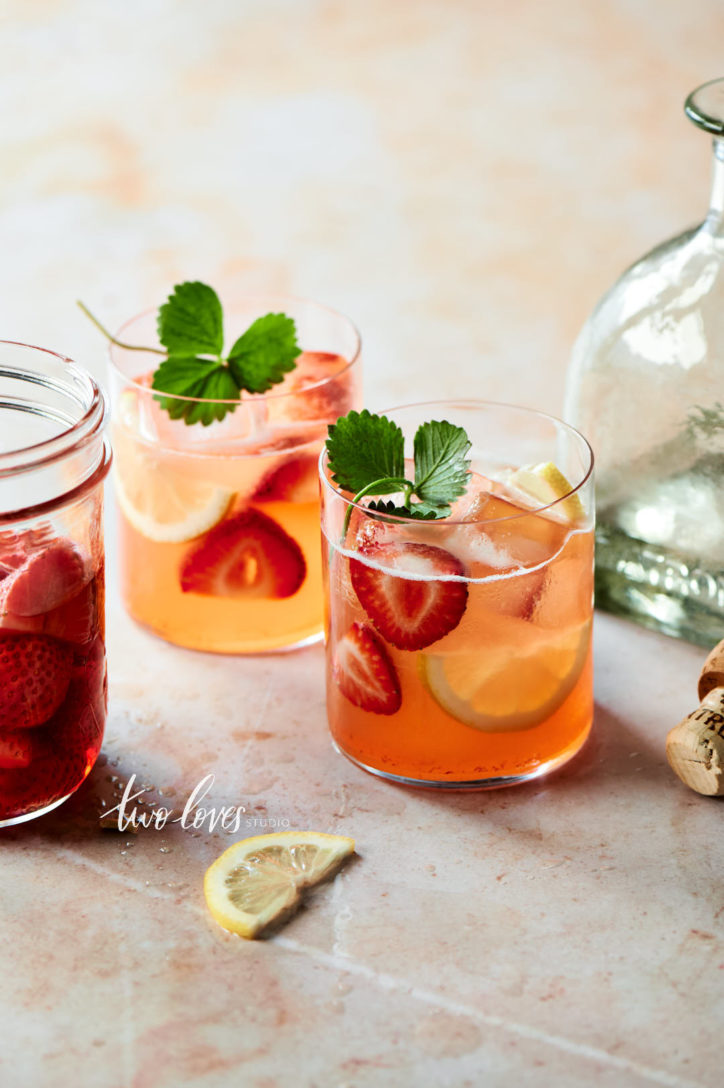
x=219 y=524
x=53 y=685
x=646 y=385
x=459 y=650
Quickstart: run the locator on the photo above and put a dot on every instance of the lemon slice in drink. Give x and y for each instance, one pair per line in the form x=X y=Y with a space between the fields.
x=547 y=484
x=162 y=503
x=498 y=689
x=258 y=881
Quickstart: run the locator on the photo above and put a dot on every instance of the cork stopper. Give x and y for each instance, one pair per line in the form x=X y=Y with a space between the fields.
x=695 y=747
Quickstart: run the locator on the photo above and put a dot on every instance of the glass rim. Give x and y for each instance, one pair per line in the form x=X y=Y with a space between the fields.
x=327 y=482
x=257 y=397
x=75 y=435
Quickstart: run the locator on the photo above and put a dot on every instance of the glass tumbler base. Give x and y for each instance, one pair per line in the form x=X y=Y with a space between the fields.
x=498 y=782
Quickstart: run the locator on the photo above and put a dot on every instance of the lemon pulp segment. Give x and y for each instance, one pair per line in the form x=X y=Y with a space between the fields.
x=547 y=484
x=163 y=503
x=496 y=689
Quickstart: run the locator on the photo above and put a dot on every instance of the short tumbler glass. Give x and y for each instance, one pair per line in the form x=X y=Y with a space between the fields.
x=53 y=685
x=459 y=650
x=219 y=524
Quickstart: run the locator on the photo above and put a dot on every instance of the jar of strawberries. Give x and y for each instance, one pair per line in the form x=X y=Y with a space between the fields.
x=53 y=686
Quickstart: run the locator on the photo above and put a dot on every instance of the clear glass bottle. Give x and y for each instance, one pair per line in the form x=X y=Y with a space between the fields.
x=646 y=387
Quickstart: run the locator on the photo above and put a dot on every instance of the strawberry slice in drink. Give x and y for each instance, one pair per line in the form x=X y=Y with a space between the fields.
x=294 y=480
x=321 y=386
x=404 y=589
x=365 y=673
x=35 y=672
x=247 y=555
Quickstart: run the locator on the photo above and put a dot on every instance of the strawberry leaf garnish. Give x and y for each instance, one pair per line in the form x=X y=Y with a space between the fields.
x=200 y=383
x=365 y=450
x=416 y=509
x=264 y=353
x=441 y=470
x=366 y=456
x=191 y=321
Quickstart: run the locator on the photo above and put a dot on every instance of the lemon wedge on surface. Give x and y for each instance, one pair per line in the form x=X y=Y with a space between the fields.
x=499 y=689
x=162 y=503
x=260 y=880
x=547 y=484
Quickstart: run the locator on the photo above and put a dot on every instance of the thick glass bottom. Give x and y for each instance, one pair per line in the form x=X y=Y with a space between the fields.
x=34 y=815
x=493 y=783
x=277 y=644
x=659 y=588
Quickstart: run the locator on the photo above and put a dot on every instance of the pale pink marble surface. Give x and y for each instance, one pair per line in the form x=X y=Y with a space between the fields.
x=464 y=179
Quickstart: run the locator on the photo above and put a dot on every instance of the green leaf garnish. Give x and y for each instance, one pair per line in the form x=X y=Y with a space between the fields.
x=200 y=383
x=189 y=376
x=366 y=456
x=264 y=353
x=365 y=449
x=417 y=510
x=191 y=321
x=441 y=471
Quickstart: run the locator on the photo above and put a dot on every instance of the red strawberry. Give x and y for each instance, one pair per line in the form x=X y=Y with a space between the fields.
x=16 y=750
x=365 y=673
x=294 y=480
x=77 y=728
x=44 y=581
x=51 y=775
x=76 y=620
x=34 y=676
x=416 y=607
x=247 y=555
x=321 y=386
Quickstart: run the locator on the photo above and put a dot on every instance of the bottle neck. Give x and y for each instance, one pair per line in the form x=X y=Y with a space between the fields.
x=715 y=218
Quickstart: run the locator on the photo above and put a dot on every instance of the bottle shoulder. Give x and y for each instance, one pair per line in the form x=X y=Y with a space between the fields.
x=667 y=307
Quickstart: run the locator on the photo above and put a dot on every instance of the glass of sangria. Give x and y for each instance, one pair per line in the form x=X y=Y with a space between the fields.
x=219 y=524
x=53 y=684
x=459 y=649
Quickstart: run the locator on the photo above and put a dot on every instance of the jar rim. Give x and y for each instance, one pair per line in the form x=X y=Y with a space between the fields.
x=79 y=387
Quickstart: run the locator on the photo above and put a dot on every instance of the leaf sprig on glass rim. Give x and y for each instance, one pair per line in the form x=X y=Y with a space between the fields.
x=201 y=383
x=366 y=456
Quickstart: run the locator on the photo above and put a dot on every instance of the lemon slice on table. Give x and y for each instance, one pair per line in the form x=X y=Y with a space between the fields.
x=163 y=503
x=258 y=881
x=499 y=690
x=546 y=483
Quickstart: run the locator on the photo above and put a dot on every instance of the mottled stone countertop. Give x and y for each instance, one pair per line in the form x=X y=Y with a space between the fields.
x=464 y=178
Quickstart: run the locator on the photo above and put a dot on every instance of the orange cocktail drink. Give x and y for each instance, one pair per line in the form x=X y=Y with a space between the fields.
x=219 y=523
x=459 y=649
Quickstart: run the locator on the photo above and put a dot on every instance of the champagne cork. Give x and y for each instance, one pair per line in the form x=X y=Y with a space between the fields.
x=695 y=747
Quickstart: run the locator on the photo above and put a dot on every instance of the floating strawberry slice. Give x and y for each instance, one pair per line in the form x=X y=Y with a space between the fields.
x=16 y=750
x=35 y=673
x=415 y=607
x=44 y=581
x=365 y=673
x=247 y=555
x=294 y=480
x=323 y=387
